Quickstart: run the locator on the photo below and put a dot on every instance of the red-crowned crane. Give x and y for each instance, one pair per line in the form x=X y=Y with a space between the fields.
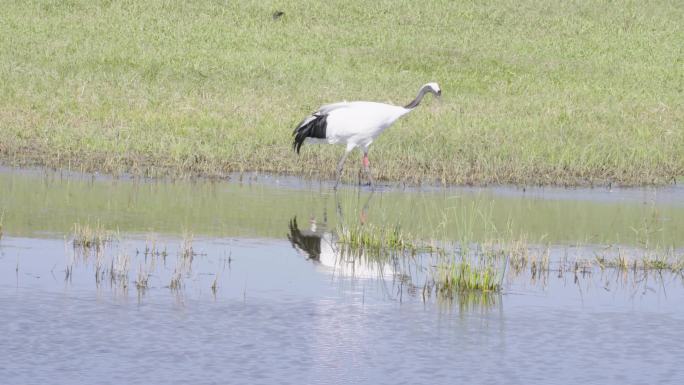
x=355 y=124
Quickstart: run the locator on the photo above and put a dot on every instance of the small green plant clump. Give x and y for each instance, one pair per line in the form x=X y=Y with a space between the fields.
x=375 y=240
x=466 y=275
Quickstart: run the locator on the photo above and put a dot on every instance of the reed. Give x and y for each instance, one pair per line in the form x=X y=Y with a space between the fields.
x=142 y=281
x=119 y=270
x=90 y=237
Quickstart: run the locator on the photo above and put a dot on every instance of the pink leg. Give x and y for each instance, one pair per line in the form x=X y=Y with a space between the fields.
x=366 y=166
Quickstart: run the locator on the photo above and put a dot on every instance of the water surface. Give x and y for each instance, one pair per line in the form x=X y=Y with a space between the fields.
x=265 y=302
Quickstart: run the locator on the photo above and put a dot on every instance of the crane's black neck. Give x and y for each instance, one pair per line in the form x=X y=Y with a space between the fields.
x=415 y=102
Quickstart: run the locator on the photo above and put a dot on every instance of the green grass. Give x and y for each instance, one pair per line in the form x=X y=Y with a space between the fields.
x=533 y=92
x=465 y=275
x=375 y=240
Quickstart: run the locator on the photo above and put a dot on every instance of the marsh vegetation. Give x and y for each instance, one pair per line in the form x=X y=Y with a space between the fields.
x=468 y=273
x=90 y=237
x=454 y=267
x=434 y=246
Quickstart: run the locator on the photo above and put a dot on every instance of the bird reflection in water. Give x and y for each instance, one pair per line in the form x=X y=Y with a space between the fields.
x=320 y=244
x=309 y=240
x=399 y=276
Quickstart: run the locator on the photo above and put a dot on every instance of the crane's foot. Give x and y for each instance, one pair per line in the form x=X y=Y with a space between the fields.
x=371 y=181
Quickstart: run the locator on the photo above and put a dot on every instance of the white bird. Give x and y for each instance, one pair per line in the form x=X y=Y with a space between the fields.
x=355 y=124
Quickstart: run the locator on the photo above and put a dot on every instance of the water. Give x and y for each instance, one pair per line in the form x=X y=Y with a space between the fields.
x=38 y=202
x=286 y=309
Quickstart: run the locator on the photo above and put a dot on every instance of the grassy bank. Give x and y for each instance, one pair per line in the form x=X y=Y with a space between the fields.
x=552 y=93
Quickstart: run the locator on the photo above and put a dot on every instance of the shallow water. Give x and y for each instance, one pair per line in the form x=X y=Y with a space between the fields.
x=285 y=309
x=36 y=202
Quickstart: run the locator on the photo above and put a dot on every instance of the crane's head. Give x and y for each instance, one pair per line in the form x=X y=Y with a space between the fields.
x=427 y=87
x=434 y=88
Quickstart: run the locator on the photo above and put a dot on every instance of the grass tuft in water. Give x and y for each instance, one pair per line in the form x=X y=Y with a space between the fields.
x=176 y=282
x=142 y=282
x=118 y=271
x=87 y=237
x=465 y=273
x=375 y=240
x=186 y=251
x=186 y=256
x=152 y=249
x=655 y=258
x=656 y=262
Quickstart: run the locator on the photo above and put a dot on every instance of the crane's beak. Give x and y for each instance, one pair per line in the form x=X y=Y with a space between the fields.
x=438 y=96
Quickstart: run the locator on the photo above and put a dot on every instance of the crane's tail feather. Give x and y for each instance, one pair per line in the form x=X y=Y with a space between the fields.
x=314 y=126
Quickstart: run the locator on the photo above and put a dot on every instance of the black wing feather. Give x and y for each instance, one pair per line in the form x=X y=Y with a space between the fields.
x=314 y=128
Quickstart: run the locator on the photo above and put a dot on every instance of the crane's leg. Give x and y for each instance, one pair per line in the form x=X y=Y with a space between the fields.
x=340 y=166
x=366 y=166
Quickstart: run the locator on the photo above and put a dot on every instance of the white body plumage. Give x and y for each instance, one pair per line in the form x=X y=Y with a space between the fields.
x=355 y=124
x=358 y=123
